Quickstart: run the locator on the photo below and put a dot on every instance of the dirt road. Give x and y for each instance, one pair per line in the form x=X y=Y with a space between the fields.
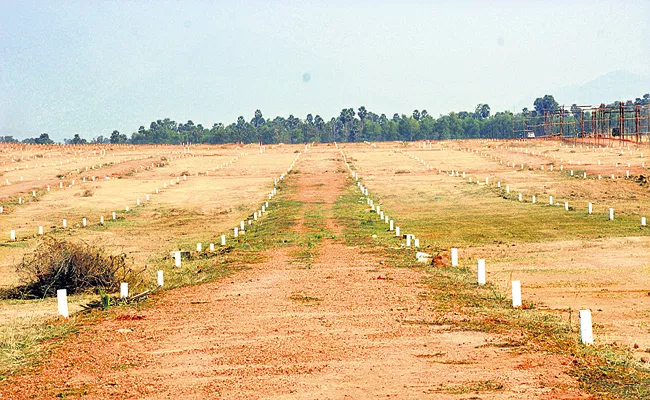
x=344 y=326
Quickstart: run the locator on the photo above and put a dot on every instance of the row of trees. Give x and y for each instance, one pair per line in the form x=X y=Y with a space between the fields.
x=349 y=126
x=44 y=138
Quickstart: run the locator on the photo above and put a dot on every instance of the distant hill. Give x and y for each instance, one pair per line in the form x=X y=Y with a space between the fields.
x=608 y=88
x=613 y=86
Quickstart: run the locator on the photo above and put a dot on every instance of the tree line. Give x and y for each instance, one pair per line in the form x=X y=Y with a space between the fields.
x=349 y=126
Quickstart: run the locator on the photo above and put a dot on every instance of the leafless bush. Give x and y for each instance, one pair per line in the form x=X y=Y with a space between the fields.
x=77 y=267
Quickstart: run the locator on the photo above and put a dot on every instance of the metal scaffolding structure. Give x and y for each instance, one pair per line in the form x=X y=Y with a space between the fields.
x=623 y=122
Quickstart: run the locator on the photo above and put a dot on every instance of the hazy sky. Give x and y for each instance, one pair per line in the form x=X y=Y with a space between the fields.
x=90 y=67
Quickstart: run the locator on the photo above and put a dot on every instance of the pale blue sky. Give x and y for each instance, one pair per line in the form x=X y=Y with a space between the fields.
x=90 y=67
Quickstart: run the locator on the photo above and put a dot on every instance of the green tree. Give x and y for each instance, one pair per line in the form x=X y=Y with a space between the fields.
x=576 y=111
x=258 y=119
x=78 y=140
x=482 y=111
x=346 y=117
x=117 y=137
x=319 y=123
x=409 y=128
x=427 y=125
x=44 y=139
x=545 y=104
x=471 y=128
x=309 y=130
x=371 y=131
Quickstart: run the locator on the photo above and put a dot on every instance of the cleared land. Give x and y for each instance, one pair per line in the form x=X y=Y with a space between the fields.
x=566 y=260
x=193 y=210
x=318 y=300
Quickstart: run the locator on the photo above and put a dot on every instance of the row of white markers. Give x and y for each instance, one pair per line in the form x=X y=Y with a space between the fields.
x=241 y=229
x=590 y=208
x=78 y=170
x=84 y=221
x=593 y=149
x=92 y=178
x=411 y=240
x=507 y=189
x=79 y=157
x=61 y=294
x=586 y=333
x=550 y=167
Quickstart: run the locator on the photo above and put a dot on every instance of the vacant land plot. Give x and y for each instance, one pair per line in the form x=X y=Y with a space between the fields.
x=318 y=299
x=194 y=195
x=566 y=260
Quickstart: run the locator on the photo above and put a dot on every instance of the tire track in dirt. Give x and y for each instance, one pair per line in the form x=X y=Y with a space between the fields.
x=349 y=327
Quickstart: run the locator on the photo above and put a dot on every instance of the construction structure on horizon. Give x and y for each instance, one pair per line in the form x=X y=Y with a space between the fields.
x=624 y=122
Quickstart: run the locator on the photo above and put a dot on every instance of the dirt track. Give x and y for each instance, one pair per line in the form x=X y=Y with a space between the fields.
x=348 y=327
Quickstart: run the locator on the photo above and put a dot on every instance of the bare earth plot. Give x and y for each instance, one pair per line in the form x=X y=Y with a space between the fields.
x=336 y=322
x=198 y=209
x=70 y=202
x=565 y=260
x=224 y=192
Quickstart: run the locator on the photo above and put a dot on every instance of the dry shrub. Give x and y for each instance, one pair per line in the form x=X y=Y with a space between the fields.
x=85 y=193
x=77 y=267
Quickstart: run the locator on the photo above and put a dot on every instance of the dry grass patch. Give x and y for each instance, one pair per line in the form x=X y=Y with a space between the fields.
x=303 y=298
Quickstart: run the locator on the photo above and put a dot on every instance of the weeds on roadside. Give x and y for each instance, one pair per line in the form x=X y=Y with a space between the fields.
x=20 y=344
